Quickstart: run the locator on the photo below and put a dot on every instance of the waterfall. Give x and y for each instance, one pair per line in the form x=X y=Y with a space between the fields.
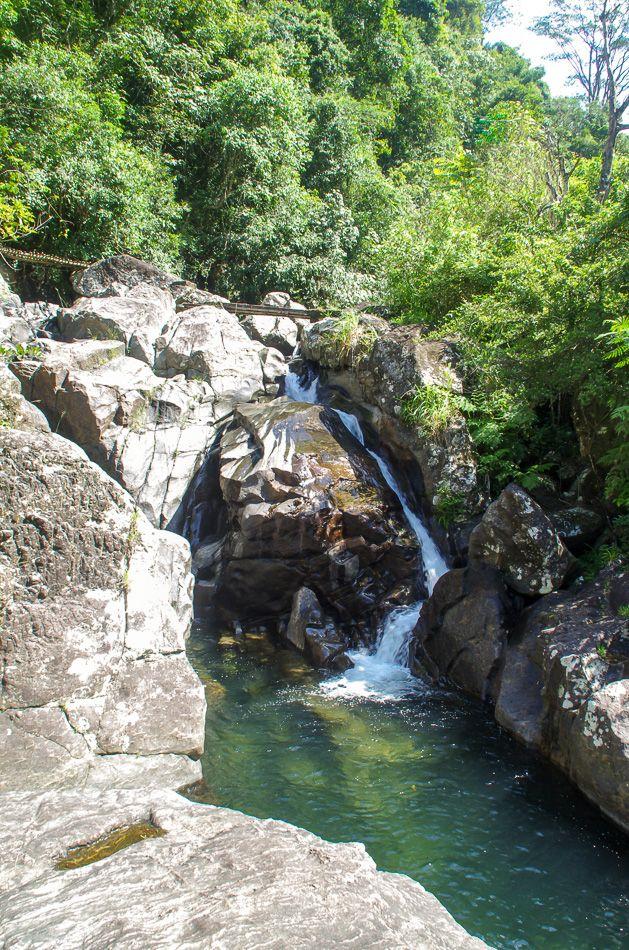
x=382 y=674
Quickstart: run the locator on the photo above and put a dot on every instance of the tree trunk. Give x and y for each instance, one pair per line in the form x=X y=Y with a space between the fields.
x=608 y=156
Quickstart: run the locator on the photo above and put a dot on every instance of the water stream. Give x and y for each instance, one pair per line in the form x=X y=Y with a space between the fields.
x=423 y=777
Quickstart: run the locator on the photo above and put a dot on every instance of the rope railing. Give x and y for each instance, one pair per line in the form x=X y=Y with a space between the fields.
x=36 y=257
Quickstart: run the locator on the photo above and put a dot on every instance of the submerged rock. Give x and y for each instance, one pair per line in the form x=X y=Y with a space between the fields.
x=517 y=537
x=95 y=612
x=304 y=512
x=382 y=366
x=212 y=878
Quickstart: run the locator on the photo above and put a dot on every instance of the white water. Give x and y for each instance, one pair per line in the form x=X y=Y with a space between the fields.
x=300 y=392
x=382 y=675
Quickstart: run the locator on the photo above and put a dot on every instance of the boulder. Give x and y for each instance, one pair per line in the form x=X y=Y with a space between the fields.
x=577 y=526
x=148 y=433
x=277 y=331
x=380 y=366
x=304 y=511
x=564 y=689
x=7 y=297
x=116 y=276
x=15 y=411
x=314 y=634
x=278 y=298
x=463 y=628
x=188 y=296
x=208 y=343
x=96 y=608
x=517 y=537
x=137 y=319
x=207 y=877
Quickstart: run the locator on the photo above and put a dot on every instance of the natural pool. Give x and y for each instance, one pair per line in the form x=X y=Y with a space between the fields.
x=427 y=782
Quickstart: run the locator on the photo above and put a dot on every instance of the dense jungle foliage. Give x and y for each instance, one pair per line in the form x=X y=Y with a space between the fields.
x=343 y=150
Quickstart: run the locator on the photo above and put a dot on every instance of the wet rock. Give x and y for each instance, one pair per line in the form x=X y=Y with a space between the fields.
x=303 y=512
x=463 y=629
x=273 y=366
x=216 y=878
x=208 y=343
x=380 y=366
x=137 y=319
x=564 y=690
x=148 y=433
x=519 y=539
x=95 y=612
x=314 y=634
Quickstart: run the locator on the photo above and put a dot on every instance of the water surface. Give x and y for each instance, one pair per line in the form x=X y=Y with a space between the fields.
x=426 y=781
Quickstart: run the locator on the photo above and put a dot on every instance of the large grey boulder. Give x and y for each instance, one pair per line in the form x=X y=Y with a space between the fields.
x=137 y=319
x=305 y=511
x=280 y=299
x=564 y=689
x=517 y=537
x=208 y=343
x=213 y=878
x=148 y=433
x=277 y=331
x=381 y=367
x=463 y=629
x=96 y=608
x=116 y=276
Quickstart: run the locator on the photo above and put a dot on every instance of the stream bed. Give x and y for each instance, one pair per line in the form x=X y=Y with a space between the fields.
x=425 y=779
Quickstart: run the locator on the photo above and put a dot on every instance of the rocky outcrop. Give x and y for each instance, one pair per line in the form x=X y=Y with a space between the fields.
x=208 y=343
x=137 y=319
x=148 y=433
x=96 y=607
x=304 y=512
x=279 y=298
x=212 y=878
x=517 y=537
x=314 y=634
x=15 y=411
x=382 y=366
x=280 y=332
x=116 y=276
x=564 y=688
x=463 y=629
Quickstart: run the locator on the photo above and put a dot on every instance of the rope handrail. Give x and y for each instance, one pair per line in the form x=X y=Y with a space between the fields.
x=36 y=257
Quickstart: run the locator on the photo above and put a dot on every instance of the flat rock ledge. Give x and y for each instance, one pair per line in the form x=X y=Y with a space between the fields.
x=216 y=878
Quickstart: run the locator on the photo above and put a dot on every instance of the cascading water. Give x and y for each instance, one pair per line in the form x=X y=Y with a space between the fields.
x=382 y=674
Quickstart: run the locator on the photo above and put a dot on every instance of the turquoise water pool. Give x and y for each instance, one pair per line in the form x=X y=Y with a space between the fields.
x=426 y=781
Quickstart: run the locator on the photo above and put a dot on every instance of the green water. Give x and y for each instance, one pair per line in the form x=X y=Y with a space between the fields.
x=428 y=784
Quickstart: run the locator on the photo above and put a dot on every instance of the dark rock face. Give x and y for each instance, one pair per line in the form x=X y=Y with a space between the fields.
x=380 y=367
x=314 y=634
x=564 y=688
x=519 y=539
x=302 y=512
x=463 y=628
x=577 y=526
